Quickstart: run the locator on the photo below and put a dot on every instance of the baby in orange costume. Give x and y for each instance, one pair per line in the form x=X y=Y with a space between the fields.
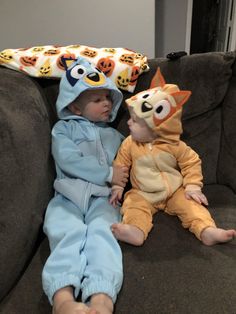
x=165 y=173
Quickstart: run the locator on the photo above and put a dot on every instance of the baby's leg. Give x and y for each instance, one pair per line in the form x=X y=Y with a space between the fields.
x=197 y=219
x=103 y=274
x=128 y=233
x=64 y=303
x=193 y=216
x=137 y=219
x=102 y=303
x=211 y=235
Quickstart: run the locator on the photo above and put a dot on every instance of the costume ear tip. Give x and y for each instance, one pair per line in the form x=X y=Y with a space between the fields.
x=189 y=93
x=67 y=61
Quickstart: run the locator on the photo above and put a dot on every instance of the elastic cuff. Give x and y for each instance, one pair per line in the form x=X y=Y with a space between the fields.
x=102 y=286
x=202 y=226
x=51 y=288
x=192 y=187
x=143 y=225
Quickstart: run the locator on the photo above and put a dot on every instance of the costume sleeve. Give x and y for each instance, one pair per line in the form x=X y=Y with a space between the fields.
x=70 y=159
x=190 y=165
x=123 y=157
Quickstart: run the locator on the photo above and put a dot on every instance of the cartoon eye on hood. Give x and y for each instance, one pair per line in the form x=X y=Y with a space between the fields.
x=93 y=77
x=162 y=109
x=79 y=76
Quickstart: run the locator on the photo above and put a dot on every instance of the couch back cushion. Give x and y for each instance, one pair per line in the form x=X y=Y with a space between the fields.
x=207 y=76
x=226 y=173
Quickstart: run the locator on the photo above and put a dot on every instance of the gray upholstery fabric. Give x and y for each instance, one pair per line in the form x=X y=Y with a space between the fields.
x=26 y=172
x=227 y=157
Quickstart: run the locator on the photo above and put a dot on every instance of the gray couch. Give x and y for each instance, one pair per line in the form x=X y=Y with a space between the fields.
x=172 y=273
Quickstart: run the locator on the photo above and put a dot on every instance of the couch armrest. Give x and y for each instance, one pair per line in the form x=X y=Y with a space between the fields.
x=26 y=171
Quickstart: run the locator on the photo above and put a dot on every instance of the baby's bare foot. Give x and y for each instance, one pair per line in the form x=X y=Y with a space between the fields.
x=73 y=307
x=211 y=235
x=128 y=233
x=102 y=303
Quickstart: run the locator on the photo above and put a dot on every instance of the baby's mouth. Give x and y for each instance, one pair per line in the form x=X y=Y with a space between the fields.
x=107 y=111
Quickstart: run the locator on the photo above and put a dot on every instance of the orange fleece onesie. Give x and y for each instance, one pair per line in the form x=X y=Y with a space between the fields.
x=162 y=170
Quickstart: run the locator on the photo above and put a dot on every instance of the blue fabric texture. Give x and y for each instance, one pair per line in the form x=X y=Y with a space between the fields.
x=84 y=252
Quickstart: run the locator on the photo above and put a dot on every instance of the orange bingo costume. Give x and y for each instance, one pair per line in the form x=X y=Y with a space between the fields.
x=161 y=171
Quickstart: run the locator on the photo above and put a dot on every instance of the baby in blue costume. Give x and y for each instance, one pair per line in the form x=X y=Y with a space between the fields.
x=85 y=256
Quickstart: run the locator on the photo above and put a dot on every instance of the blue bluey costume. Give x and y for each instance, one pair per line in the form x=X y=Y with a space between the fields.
x=84 y=252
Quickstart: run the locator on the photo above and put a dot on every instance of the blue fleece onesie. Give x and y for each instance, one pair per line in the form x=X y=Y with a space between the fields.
x=84 y=252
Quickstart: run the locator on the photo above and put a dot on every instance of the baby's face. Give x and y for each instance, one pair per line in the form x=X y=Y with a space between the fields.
x=139 y=129
x=94 y=105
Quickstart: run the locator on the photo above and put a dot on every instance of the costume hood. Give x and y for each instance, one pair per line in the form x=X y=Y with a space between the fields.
x=78 y=77
x=161 y=108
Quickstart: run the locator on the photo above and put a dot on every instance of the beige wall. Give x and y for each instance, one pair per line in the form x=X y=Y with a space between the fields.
x=173 y=26
x=98 y=23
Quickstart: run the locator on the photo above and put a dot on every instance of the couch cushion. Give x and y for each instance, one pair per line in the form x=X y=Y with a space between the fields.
x=227 y=159
x=172 y=272
x=26 y=172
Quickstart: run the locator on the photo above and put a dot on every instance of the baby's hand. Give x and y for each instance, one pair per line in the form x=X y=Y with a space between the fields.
x=197 y=196
x=116 y=196
x=120 y=175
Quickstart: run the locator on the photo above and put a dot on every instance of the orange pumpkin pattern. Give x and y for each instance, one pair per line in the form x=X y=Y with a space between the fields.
x=106 y=65
x=28 y=61
x=122 y=65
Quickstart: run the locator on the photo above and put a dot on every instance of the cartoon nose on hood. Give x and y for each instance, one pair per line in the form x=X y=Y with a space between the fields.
x=94 y=77
x=78 y=77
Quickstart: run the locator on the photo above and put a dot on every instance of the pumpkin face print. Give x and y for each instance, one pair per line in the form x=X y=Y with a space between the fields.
x=38 y=49
x=144 y=66
x=6 y=56
x=138 y=56
x=110 y=50
x=106 y=65
x=51 y=52
x=122 y=80
x=134 y=75
x=127 y=58
x=68 y=56
x=45 y=69
x=28 y=61
x=89 y=53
